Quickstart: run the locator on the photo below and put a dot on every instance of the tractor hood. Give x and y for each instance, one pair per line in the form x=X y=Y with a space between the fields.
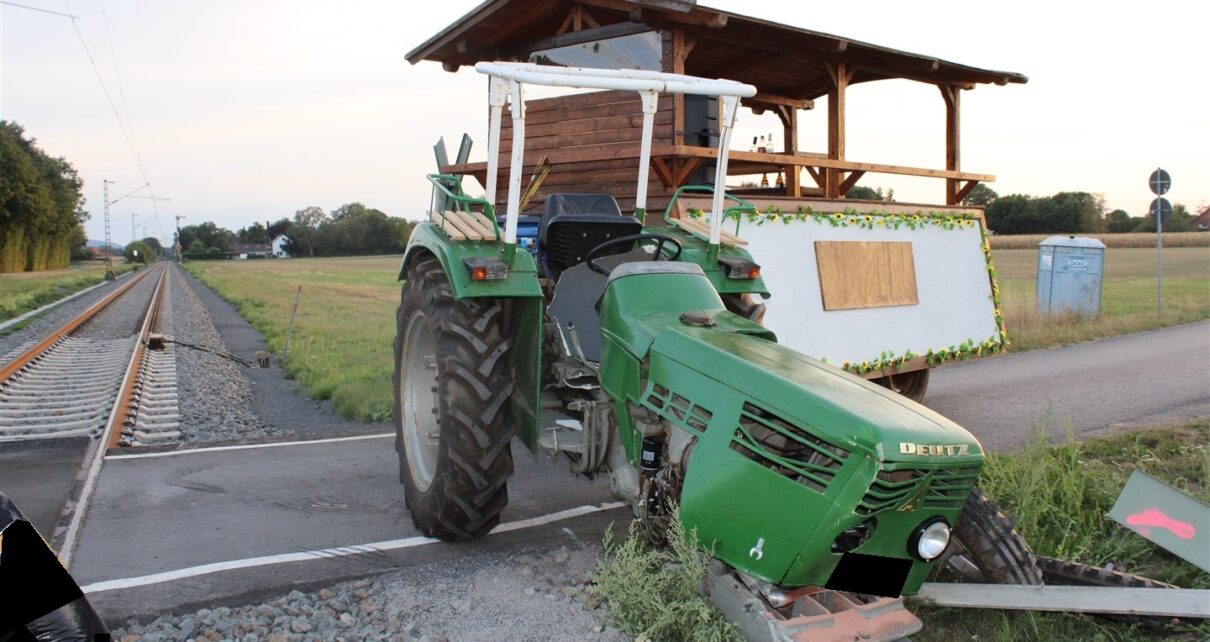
x=838 y=407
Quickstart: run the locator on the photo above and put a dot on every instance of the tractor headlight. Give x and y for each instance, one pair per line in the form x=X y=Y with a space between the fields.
x=929 y=540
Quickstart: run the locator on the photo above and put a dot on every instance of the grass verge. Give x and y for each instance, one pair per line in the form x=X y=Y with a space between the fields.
x=1128 y=296
x=341 y=348
x=21 y=292
x=1060 y=497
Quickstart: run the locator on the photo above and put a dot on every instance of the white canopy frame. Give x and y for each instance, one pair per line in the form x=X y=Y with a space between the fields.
x=508 y=80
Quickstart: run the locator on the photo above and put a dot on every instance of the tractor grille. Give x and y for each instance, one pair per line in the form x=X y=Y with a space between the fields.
x=951 y=487
x=786 y=449
x=946 y=488
x=678 y=409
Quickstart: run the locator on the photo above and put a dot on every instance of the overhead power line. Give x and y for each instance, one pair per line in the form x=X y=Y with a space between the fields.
x=39 y=9
x=126 y=134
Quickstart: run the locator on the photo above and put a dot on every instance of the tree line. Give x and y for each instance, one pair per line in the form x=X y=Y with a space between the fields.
x=351 y=229
x=41 y=215
x=1067 y=213
x=1063 y=213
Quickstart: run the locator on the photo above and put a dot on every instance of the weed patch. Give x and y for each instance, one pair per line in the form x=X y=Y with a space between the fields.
x=652 y=593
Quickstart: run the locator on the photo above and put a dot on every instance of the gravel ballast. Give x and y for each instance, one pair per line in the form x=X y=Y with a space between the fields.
x=215 y=399
x=527 y=597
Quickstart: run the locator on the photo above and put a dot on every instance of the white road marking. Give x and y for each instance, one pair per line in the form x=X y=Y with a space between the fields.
x=327 y=553
x=213 y=449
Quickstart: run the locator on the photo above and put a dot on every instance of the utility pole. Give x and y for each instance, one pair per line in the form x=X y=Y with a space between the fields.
x=109 y=274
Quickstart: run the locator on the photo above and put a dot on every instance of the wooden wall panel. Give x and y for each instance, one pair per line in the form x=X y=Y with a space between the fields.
x=865 y=274
x=596 y=121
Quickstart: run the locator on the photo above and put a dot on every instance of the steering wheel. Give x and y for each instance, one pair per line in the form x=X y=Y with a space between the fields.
x=660 y=240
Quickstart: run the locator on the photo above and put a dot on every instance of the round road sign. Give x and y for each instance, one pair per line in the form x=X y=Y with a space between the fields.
x=1159 y=182
x=1162 y=208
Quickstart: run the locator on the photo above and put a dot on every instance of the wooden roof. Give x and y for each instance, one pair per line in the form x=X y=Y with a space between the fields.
x=778 y=59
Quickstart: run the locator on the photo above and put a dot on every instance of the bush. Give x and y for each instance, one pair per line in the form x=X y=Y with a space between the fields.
x=653 y=593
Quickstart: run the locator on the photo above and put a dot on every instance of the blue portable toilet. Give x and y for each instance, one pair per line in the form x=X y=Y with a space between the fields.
x=1069 y=275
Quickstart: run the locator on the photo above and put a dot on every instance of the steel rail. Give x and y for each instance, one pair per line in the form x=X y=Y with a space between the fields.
x=113 y=424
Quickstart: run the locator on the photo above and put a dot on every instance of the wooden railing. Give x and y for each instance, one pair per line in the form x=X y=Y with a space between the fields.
x=674 y=164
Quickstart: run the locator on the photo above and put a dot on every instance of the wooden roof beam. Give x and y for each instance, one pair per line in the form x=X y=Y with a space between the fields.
x=652 y=12
x=763 y=101
x=745 y=63
x=523 y=21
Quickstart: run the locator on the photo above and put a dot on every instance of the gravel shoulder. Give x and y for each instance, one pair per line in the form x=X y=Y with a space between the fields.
x=523 y=597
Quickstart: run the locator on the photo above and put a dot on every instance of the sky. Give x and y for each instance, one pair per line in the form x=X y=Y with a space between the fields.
x=245 y=111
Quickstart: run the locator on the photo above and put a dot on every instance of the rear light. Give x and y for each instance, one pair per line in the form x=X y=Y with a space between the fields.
x=740 y=269
x=482 y=268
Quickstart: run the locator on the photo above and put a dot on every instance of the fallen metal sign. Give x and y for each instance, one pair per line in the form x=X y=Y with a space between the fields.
x=1165 y=516
x=1182 y=603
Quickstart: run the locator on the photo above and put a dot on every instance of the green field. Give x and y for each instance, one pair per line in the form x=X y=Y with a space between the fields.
x=342 y=337
x=21 y=292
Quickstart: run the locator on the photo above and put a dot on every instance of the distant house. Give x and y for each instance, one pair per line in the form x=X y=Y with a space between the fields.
x=279 y=246
x=251 y=251
x=274 y=249
x=1202 y=222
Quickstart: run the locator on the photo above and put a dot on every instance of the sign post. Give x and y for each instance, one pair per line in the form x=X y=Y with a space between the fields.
x=1159 y=182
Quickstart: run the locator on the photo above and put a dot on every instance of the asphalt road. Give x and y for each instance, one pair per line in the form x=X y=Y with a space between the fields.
x=157 y=514
x=1139 y=379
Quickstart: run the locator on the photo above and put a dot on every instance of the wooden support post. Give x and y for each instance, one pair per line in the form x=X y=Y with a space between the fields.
x=951 y=94
x=841 y=74
x=789 y=120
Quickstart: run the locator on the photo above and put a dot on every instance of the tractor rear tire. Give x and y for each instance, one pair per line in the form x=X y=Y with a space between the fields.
x=986 y=537
x=452 y=388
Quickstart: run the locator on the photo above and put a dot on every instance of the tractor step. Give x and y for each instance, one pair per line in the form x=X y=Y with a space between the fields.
x=814 y=613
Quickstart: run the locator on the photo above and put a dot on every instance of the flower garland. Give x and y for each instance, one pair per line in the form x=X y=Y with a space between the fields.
x=894 y=221
x=850 y=216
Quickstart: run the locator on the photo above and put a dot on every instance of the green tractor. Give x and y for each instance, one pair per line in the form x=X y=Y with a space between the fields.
x=630 y=349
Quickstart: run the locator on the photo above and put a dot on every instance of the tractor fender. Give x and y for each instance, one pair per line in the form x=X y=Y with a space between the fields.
x=526 y=318
x=522 y=279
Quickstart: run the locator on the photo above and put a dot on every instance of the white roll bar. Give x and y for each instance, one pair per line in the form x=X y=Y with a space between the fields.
x=507 y=79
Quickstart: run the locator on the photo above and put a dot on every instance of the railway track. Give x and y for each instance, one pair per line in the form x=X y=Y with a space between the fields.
x=105 y=378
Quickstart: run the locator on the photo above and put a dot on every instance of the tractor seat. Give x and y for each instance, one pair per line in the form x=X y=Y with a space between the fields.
x=573 y=224
x=574 y=306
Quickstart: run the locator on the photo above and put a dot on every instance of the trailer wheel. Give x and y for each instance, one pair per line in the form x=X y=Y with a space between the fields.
x=452 y=387
x=985 y=542
x=909 y=384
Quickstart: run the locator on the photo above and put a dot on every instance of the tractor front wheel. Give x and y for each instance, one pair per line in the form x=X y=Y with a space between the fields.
x=452 y=387
x=985 y=542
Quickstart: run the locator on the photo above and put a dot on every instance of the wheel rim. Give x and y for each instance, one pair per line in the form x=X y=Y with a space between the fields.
x=417 y=386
